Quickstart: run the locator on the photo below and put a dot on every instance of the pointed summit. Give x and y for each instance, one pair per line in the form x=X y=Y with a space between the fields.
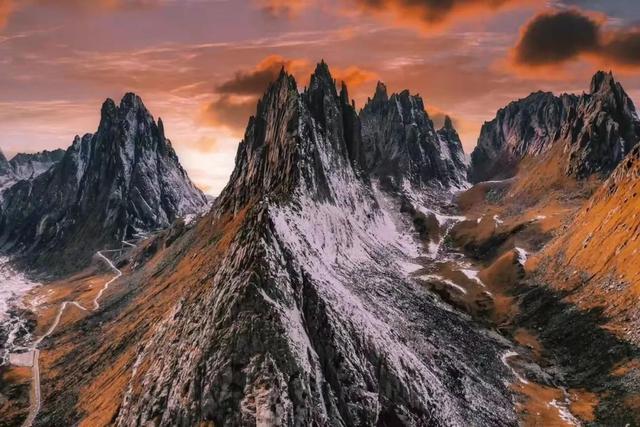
x=109 y=111
x=603 y=81
x=381 y=93
x=124 y=177
x=321 y=80
x=448 y=124
x=131 y=101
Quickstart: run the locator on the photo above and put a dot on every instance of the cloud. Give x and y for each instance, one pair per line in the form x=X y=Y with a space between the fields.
x=6 y=7
x=256 y=81
x=550 y=38
x=623 y=47
x=237 y=97
x=286 y=8
x=229 y=112
x=426 y=15
x=556 y=37
x=431 y=14
x=353 y=76
x=98 y=5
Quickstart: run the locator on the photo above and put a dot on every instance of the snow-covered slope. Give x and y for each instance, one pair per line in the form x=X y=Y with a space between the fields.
x=596 y=131
x=310 y=316
x=123 y=178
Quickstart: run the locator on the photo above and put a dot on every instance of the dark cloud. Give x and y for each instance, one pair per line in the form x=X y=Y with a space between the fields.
x=556 y=37
x=431 y=13
x=237 y=97
x=623 y=47
x=255 y=81
x=228 y=112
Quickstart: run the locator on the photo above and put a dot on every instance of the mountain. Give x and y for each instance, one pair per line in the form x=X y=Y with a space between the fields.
x=26 y=166
x=593 y=132
x=7 y=176
x=124 y=178
x=300 y=310
x=596 y=257
x=29 y=166
x=400 y=141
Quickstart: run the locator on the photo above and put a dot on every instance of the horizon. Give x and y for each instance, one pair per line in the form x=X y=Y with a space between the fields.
x=466 y=60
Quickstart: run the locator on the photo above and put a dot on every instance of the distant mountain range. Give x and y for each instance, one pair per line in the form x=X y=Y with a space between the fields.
x=26 y=166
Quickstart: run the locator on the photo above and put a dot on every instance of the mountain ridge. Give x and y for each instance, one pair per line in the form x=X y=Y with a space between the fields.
x=123 y=179
x=294 y=274
x=596 y=130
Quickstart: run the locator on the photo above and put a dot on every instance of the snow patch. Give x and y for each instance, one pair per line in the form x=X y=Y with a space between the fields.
x=434 y=277
x=522 y=256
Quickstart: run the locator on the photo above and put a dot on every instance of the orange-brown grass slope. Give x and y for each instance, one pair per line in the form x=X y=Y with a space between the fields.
x=95 y=358
x=598 y=255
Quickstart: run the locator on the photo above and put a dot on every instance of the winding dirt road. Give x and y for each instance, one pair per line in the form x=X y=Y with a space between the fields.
x=36 y=399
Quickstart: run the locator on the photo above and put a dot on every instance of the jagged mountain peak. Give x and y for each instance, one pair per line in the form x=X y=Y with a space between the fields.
x=596 y=130
x=400 y=143
x=448 y=123
x=125 y=177
x=603 y=81
x=381 y=93
x=308 y=258
x=321 y=79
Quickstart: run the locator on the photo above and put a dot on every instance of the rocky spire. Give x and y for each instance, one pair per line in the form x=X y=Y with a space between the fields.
x=448 y=124
x=380 y=95
x=4 y=163
x=124 y=177
x=400 y=143
x=603 y=81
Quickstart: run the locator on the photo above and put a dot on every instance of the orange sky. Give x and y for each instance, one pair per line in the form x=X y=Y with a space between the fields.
x=202 y=64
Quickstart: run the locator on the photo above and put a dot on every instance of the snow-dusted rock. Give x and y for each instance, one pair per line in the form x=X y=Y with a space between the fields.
x=26 y=166
x=310 y=317
x=399 y=141
x=125 y=177
x=597 y=130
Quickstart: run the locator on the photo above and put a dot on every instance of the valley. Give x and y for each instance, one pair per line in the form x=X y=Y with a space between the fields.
x=354 y=271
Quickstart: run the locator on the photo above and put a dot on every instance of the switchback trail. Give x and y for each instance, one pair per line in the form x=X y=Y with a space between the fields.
x=36 y=400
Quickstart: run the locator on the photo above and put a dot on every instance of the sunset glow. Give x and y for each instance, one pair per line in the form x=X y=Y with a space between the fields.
x=201 y=65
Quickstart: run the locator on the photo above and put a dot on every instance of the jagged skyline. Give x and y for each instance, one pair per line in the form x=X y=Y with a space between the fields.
x=201 y=65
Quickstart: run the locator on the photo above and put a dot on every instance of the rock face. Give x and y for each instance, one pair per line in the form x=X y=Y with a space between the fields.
x=124 y=178
x=400 y=142
x=26 y=166
x=596 y=129
x=7 y=177
x=300 y=321
x=29 y=166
